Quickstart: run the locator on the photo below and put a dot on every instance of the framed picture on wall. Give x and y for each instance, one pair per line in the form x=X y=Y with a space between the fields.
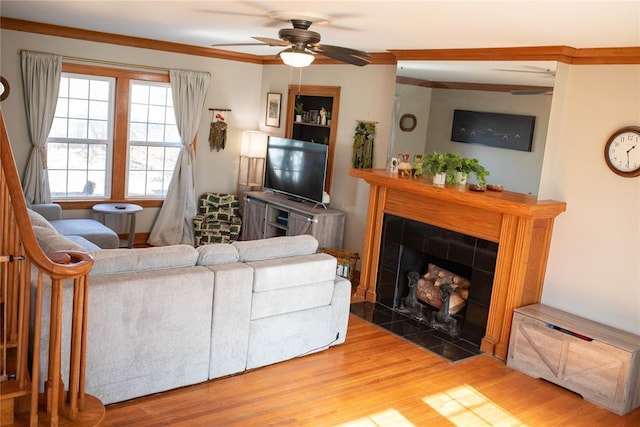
x=273 y=109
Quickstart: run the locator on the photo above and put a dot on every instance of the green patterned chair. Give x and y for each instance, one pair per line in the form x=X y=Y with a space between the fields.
x=218 y=219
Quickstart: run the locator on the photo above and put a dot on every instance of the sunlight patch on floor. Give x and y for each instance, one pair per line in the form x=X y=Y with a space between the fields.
x=388 y=418
x=465 y=406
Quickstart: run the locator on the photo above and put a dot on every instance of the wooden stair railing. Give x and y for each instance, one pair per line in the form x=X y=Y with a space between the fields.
x=24 y=266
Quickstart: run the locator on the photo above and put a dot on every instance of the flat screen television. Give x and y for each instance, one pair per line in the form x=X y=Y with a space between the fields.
x=296 y=168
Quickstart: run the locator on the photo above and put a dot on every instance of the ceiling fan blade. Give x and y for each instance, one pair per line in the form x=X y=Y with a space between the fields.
x=236 y=44
x=354 y=52
x=342 y=54
x=271 y=42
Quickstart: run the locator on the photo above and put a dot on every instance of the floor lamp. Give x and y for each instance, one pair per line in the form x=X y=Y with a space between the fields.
x=252 y=157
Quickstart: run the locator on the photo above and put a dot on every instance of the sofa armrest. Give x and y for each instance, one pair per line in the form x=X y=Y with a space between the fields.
x=51 y=211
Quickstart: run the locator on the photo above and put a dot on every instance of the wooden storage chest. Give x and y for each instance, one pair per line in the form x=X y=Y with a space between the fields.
x=599 y=362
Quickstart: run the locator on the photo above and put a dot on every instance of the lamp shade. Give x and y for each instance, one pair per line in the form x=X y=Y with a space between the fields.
x=254 y=143
x=297 y=59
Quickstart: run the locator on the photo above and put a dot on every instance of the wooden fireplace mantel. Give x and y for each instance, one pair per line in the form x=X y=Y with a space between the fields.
x=520 y=224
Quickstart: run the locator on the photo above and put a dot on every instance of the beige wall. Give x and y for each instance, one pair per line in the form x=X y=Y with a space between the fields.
x=366 y=94
x=594 y=264
x=414 y=100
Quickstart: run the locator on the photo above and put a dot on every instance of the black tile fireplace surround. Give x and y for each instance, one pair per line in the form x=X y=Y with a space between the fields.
x=409 y=245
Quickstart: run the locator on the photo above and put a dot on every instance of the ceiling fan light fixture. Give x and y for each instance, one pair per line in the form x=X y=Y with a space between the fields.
x=296 y=59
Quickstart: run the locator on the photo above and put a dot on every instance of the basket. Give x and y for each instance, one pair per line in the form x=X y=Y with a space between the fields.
x=346 y=262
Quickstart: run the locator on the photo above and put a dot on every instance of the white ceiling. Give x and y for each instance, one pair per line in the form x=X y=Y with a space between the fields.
x=373 y=26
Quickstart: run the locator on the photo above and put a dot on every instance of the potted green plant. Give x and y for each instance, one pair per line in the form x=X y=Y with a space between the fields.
x=454 y=162
x=435 y=165
x=452 y=168
x=472 y=166
x=299 y=108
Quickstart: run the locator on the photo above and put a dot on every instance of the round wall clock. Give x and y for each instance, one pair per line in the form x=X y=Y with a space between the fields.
x=622 y=151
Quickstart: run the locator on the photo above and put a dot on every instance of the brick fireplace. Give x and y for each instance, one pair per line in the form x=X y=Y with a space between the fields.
x=520 y=225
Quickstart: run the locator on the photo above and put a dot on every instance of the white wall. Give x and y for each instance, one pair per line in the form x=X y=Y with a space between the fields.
x=414 y=100
x=594 y=264
x=366 y=94
x=233 y=85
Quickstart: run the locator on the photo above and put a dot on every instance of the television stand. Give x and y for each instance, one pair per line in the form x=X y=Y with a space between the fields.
x=299 y=200
x=268 y=214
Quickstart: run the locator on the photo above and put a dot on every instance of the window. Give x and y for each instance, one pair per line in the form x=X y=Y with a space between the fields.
x=154 y=141
x=81 y=137
x=113 y=136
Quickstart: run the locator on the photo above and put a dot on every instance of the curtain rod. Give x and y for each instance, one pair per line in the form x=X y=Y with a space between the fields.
x=103 y=62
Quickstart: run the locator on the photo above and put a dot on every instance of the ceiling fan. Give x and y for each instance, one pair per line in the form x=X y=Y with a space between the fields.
x=302 y=43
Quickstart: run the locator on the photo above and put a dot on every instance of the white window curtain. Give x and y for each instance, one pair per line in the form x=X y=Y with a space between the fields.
x=173 y=224
x=40 y=81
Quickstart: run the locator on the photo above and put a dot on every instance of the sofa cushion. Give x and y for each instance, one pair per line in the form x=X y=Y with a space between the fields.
x=86 y=244
x=292 y=299
x=38 y=220
x=277 y=338
x=217 y=253
x=90 y=229
x=50 y=241
x=116 y=261
x=292 y=271
x=276 y=247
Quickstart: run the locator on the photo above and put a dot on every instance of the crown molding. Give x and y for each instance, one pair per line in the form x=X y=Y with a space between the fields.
x=117 y=39
x=566 y=54
x=468 y=86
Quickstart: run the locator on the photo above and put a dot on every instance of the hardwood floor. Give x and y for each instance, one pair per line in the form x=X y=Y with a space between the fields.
x=373 y=379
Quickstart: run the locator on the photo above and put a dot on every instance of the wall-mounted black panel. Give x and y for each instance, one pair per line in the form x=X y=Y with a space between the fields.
x=511 y=131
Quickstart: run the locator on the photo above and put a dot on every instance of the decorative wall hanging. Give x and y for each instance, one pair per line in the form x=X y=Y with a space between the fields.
x=4 y=88
x=511 y=131
x=408 y=122
x=273 y=109
x=363 y=145
x=218 y=129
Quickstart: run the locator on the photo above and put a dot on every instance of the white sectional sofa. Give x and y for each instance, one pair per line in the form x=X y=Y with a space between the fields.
x=166 y=317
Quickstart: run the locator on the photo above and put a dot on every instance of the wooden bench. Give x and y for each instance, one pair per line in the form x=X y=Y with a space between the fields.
x=599 y=362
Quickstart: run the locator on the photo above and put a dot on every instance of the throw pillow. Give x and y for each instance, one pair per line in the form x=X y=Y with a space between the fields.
x=50 y=241
x=38 y=220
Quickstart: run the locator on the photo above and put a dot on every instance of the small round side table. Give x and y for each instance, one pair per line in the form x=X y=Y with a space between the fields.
x=128 y=209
